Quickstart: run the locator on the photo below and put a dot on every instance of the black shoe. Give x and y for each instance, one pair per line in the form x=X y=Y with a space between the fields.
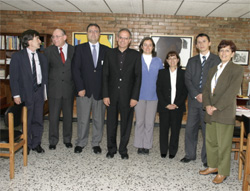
x=97 y=150
x=205 y=165
x=140 y=151
x=185 y=160
x=110 y=155
x=78 y=149
x=171 y=156
x=52 y=147
x=124 y=156
x=146 y=151
x=163 y=155
x=38 y=149
x=68 y=145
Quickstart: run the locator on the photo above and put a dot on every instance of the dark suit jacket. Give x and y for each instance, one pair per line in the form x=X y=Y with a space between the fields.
x=125 y=84
x=85 y=75
x=193 y=74
x=60 y=77
x=164 y=90
x=224 y=96
x=21 y=79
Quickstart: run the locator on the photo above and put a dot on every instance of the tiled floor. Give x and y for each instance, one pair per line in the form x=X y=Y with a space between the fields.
x=62 y=169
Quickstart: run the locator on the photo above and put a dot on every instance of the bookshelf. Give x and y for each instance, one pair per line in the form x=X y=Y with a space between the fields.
x=9 y=44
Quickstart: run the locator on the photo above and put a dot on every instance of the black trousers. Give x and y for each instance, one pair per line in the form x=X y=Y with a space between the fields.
x=126 y=116
x=171 y=119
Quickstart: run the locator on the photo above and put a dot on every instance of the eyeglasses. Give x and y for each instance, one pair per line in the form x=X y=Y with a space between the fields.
x=56 y=37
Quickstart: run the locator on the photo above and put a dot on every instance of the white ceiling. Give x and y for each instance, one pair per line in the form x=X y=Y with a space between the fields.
x=205 y=8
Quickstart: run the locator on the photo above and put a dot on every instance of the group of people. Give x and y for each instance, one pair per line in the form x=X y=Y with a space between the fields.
x=122 y=80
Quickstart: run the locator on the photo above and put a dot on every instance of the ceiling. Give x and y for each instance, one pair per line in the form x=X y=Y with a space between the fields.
x=204 y=8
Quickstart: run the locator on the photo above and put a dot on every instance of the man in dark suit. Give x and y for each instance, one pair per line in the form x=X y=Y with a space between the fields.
x=195 y=79
x=60 y=88
x=121 y=88
x=87 y=75
x=28 y=81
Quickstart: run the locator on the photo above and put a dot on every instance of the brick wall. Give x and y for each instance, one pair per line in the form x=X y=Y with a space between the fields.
x=235 y=29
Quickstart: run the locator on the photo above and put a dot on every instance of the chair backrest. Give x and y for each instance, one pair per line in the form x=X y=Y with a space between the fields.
x=17 y=112
x=246 y=121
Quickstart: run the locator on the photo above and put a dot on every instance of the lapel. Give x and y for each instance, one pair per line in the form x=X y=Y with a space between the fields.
x=57 y=55
x=88 y=49
x=99 y=56
x=26 y=62
x=223 y=77
x=69 y=53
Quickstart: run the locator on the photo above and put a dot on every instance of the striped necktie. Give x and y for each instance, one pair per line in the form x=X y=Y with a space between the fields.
x=202 y=66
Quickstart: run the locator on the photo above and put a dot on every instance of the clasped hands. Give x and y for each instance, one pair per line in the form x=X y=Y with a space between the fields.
x=106 y=101
x=210 y=109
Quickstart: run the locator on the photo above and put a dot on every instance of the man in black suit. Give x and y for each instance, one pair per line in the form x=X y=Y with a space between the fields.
x=28 y=81
x=121 y=88
x=87 y=75
x=195 y=79
x=60 y=88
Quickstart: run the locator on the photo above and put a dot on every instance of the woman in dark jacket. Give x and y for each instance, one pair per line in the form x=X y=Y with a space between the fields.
x=172 y=93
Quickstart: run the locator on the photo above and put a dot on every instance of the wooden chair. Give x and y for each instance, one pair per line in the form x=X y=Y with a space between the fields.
x=236 y=140
x=12 y=140
x=243 y=147
x=245 y=157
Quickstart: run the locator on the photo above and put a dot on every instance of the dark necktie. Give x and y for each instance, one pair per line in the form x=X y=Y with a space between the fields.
x=94 y=55
x=34 y=72
x=202 y=66
x=62 y=55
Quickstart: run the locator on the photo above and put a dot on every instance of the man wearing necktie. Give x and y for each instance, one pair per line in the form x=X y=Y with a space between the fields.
x=195 y=79
x=60 y=89
x=87 y=75
x=28 y=81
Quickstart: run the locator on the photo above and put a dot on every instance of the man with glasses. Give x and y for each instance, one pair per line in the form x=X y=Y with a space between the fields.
x=87 y=74
x=121 y=88
x=61 y=88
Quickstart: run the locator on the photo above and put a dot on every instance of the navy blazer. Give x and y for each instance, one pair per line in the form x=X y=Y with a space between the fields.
x=124 y=84
x=85 y=75
x=21 y=80
x=164 y=90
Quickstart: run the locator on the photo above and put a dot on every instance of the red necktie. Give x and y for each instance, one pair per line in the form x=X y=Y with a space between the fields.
x=62 y=55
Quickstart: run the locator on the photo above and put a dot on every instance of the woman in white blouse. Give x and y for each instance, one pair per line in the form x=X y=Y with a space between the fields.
x=172 y=93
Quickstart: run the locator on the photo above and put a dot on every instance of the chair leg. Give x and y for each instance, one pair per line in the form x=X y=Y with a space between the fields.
x=240 y=169
x=12 y=164
x=25 y=146
x=236 y=154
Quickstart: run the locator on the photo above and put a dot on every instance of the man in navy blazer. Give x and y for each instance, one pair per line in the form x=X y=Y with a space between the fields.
x=28 y=81
x=121 y=89
x=87 y=66
x=195 y=79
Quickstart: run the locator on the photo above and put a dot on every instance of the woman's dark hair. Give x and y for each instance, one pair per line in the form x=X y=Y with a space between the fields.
x=170 y=54
x=28 y=35
x=141 y=44
x=225 y=43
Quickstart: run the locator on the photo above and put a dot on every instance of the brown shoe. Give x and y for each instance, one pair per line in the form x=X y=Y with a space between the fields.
x=219 y=179
x=209 y=171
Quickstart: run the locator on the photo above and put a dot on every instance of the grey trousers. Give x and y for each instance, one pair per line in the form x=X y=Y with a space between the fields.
x=145 y=118
x=84 y=107
x=194 y=120
x=55 y=108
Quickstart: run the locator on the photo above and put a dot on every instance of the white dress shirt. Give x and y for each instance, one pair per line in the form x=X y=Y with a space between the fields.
x=38 y=67
x=97 y=45
x=173 y=77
